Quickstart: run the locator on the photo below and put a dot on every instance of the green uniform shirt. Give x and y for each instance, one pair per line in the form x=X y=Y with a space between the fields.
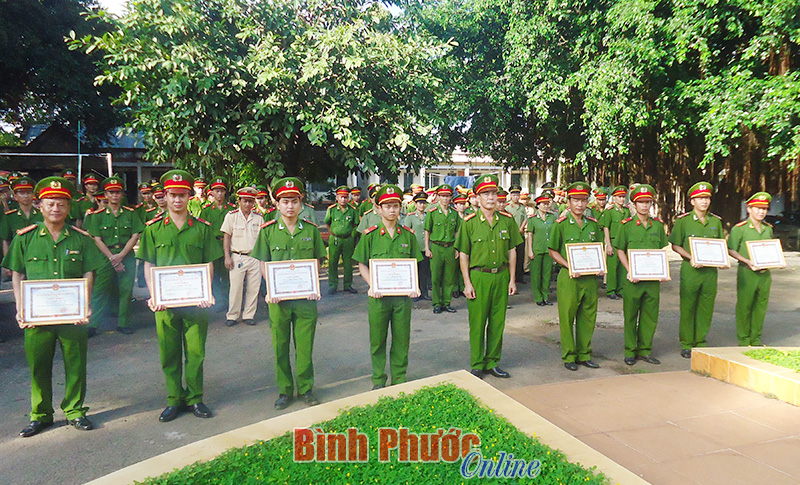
x=378 y=244
x=612 y=218
x=215 y=215
x=307 y=213
x=541 y=229
x=417 y=224
x=163 y=244
x=518 y=212
x=115 y=230
x=635 y=235
x=443 y=227
x=369 y=219
x=688 y=225
x=276 y=243
x=15 y=220
x=488 y=244
x=84 y=204
x=35 y=255
x=195 y=205
x=151 y=214
x=341 y=221
x=746 y=231
x=567 y=231
x=366 y=205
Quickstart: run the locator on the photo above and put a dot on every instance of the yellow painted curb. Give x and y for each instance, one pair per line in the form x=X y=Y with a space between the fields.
x=523 y=418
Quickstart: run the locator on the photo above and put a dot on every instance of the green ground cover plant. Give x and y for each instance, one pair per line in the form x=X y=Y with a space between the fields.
x=425 y=411
x=784 y=358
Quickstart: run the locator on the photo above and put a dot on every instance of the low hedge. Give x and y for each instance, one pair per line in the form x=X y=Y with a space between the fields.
x=784 y=358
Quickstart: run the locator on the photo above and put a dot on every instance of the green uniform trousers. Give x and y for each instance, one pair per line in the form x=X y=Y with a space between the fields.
x=40 y=348
x=577 y=315
x=698 y=293
x=221 y=284
x=640 y=309
x=297 y=319
x=487 y=318
x=394 y=312
x=122 y=291
x=616 y=277
x=182 y=338
x=541 y=271
x=443 y=270
x=340 y=247
x=752 y=297
x=103 y=291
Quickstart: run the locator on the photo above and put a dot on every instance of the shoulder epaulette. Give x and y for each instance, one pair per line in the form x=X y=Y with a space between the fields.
x=234 y=211
x=370 y=229
x=432 y=209
x=154 y=220
x=562 y=218
x=712 y=214
x=331 y=206
x=8 y=212
x=409 y=229
x=591 y=218
x=470 y=216
x=231 y=204
x=82 y=231
x=151 y=209
x=310 y=222
x=268 y=223
x=657 y=219
x=203 y=221
x=26 y=229
x=271 y=209
x=767 y=223
x=309 y=205
x=208 y=204
x=507 y=214
x=129 y=208
x=367 y=212
x=624 y=221
x=741 y=223
x=138 y=205
x=683 y=215
x=96 y=211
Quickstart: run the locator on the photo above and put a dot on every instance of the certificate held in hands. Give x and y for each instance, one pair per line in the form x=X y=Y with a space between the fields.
x=648 y=264
x=181 y=286
x=766 y=254
x=54 y=302
x=394 y=277
x=586 y=258
x=709 y=252
x=292 y=280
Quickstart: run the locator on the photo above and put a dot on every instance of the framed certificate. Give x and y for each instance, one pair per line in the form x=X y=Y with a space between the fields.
x=648 y=264
x=292 y=280
x=54 y=302
x=180 y=286
x=766 y=254
x=709 y=252
x=586 y=258
x=394 y=277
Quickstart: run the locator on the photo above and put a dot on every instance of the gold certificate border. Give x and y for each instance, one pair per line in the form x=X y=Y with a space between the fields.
x=154 y=283
x=776 y=242
x=267 y=265
x=710 y=240
x=373 y=278
x=663 y=252
x=82 y=282
x=597 y=246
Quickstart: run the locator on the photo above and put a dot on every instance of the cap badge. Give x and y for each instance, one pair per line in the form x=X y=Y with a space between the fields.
x=702 y=186
x=177 y=177
x=390 y=190
x=487 y=179
x=55 y=184
x=289 y=184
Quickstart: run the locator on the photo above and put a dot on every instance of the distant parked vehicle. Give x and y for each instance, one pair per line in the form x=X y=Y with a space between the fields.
x=786 y=227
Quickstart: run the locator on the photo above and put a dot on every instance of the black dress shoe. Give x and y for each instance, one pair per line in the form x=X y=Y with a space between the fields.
x=456 y=294
x=426 y=297
x=377 y=386
x=125 y=330
x=612 y=296
x=540 y=303
x=35 y=427
x=201 y=410
x=630 y=360
x=169 y=413
x=449 y=309
x=230 y=323
x=548 y=303
x=351 y=290
x=437 y=309
x=619 y=296
x=249 y=321
x=283 y=402
x=498 y=372
x=92 y=332
x=571 y=366
x=686 y=353
x=82 y=423
x=309 y=398
x=478 y=373
x=589 y=364
x=649 y=359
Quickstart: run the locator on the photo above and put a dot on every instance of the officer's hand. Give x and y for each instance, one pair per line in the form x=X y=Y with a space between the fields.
x=274 y=299
x=610 y=251
x=414 y=294
x=20 y=322
x=85 y=321
x=206 y=304
x=151 y=304
x=695 y=265
x=531 y=256
x=632 y=279
x=119 y=267
x=469 y=291
x=314 y=297
x=373 y=294
x=512 y=288
x=428 y=253
x=115 y=259
x=228 y=263
x=457 y=256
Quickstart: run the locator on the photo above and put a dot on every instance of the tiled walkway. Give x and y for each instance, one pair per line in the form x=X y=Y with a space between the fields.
x=677 y=427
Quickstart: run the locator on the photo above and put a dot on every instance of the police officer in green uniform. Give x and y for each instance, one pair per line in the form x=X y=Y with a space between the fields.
x=486 y=244
x=199 y=199
x=147 y=202
x=282 y=239
x=367 y=204
x=752 y=284
x=576 y=293
x=341 y=219
x=214 y=212
x=441 y=226
x=53 y=250
x=698 y=284
x=640 y=306
x=387 y=240
x=74 y=209
x=610 y=221
x=24 y=215
x=597 y=207
x=539 y=227
x=116 y=231
x=370 y=216
x=91 y=184
x=517 y=210
x=416 y=222
x=307 y=211
x=178 y=238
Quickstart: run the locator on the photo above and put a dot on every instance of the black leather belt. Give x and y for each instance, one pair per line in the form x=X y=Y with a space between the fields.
x=489 y=270
x=443 y=244
x=243 y=253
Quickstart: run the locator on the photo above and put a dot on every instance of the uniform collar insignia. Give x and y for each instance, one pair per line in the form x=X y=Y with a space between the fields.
x=43 y=232
x=166 y=221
